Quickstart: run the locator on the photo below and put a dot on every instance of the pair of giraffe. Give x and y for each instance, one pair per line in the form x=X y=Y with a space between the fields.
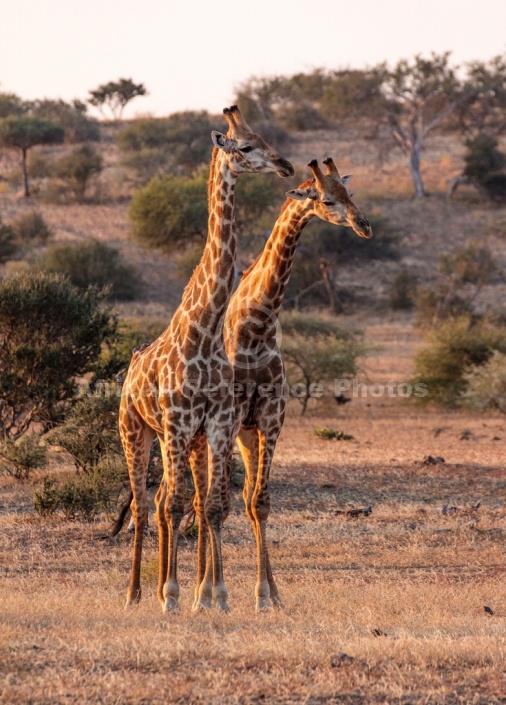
x=216 y=373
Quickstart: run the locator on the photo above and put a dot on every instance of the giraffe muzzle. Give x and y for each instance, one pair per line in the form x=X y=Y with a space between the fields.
x=284 y=168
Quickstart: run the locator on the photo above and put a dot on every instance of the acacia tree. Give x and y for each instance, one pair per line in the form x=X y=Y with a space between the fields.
x=420 y=94
x=483 y=109
x=115 y=95
x=25 y=132
x=50 y=333
x=481 y=118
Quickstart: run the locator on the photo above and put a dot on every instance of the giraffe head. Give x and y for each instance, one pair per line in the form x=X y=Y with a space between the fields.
x=331 y=199
x=247 y=152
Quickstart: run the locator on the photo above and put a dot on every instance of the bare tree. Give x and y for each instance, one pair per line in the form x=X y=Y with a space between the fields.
x=421 y=94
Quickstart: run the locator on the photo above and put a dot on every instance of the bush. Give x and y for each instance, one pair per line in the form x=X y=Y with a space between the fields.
x=8 y=244
x=180 y=142
x=78 y=126
x=90 y=431
x=170 y=211
x=117 y=348
x=326 y=240
x=482 y=157
x=82 y=496
x=302 y=117
x=329 y=434
x=50 y=333
x=93 y=264
x=31 y=229
x=462 y=274
x=78 y=168
x=486 y=384
x=451 y=352
x=403 y=291
x=23 y=456
x=315 y=358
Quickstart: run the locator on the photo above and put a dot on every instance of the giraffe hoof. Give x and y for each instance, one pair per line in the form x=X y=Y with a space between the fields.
x=171 y=605
x=264 y=604
x=133 y=600
x=223 y=606
x=202 y=604
x=278 y=602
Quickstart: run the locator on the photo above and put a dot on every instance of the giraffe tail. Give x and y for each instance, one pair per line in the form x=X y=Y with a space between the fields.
x=121 y=518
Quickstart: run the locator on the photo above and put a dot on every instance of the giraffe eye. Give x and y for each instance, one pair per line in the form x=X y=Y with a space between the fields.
x=328 y=203
x=246 y=149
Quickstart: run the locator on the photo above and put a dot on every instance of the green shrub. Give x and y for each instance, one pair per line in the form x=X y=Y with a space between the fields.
x=402 y=291
x=79 y=127
x=117 y=348
x=441 y=302
x=329 y=434
x=462 y=274
x=451 y=352
x=94 y=264
x=301 y=117
x=153 y=145
x=78 y=168
x=318 y=358
x=90 y=430
x=31 y=229
x=22 y=456
x=8 y=244
x=486 y=385
x=327 y=240
x=50 y=333
x=82 y=496
x=170 y=211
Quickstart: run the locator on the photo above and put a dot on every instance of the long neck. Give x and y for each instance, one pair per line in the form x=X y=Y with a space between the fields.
x=207 y=294
x=265 y=282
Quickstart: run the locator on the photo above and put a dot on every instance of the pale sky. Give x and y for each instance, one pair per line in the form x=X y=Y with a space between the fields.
x=191 y=54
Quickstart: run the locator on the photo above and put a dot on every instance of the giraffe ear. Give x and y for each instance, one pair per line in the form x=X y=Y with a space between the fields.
x=346 y=178
x=220 y=141
x=299 y=194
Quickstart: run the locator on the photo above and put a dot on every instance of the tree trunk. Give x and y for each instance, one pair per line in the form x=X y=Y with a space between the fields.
x=328 y=280
x=414 y=165
x=25 y=173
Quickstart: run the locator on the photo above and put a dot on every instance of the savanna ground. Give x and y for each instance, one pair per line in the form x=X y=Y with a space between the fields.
x=382 y=608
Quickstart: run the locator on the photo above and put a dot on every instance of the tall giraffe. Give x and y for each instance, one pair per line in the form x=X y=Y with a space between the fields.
x=251 y=345
x=179 y=387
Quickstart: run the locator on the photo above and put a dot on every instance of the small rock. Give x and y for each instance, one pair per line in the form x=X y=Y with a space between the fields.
x=433 y=460
x=342 y=659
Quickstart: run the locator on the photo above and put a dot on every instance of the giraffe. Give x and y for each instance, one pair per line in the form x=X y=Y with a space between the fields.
x=179 y=386
x=251 y=332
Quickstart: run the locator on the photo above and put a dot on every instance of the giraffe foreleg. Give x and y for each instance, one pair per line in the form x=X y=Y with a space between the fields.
x=219 y=453
x=199 y=467
x=163 y=538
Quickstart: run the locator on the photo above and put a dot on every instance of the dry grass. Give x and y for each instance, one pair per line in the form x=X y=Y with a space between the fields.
x=419 y=576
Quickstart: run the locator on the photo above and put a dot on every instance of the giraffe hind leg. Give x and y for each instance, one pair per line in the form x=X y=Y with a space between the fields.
x=136 y=438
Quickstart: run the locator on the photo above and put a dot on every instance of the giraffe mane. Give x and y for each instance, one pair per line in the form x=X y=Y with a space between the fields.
x=196 y=271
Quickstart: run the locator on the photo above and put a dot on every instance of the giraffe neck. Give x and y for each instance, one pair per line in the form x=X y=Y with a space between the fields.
x=208 y=293
x=266 y=281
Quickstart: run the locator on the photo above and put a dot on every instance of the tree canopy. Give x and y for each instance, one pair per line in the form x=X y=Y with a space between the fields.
x=115 y=95
x=25 y=132
x=50 y=333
